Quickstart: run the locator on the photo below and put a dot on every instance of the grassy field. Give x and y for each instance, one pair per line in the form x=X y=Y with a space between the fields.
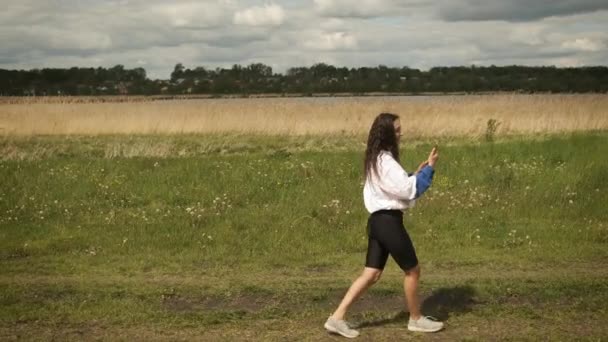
x=242 y=237
x=423 y=116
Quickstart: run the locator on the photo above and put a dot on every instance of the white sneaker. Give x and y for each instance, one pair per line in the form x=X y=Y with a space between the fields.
x=339 y=326
x=424 y=324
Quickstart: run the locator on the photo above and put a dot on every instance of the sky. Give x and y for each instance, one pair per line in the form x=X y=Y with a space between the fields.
x=156 y=34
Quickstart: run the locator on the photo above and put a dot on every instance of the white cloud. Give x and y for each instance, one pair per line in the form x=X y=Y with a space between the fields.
x=350 y=8
x=190 y=14
x=79 y=40
x=268 y=15
x=333 y=24
x=331 y=41
x=219 y=33
x=529 y=33
x=583 y=44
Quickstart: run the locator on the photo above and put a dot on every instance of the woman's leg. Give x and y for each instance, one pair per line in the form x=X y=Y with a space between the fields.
x=417 y=322
x=395 y=239
x=361 y=284
x=410 y=287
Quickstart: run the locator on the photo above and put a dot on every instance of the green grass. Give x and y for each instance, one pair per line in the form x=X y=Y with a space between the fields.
x=247 y=237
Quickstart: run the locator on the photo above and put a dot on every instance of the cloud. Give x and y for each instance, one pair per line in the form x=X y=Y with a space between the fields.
x=58 y=39
x=528 y=34
x=189 y=14
x=331 y=41
x=268 y=15
x=515 y=10
x=218 y=33
x=584 y=44
x=365 y=8
x=346 y=8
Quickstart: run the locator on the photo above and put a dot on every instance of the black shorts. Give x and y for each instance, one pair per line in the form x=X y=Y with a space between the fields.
x=387 y=235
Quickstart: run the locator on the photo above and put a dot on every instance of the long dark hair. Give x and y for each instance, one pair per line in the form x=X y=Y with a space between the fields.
x=381 y=138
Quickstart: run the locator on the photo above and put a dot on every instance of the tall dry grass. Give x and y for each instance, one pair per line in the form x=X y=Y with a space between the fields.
x=421 y=116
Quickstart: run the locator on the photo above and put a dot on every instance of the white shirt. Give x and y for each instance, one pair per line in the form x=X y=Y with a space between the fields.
x=391 y=188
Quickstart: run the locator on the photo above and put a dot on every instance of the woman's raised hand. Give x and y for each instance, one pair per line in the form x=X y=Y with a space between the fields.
x=433 y=156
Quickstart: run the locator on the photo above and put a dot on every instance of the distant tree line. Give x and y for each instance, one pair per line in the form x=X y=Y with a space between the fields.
x=258 y=78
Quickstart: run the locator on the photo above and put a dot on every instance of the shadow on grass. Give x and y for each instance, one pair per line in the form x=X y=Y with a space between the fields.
x=445 y=302
x=441 y=304
x=399 y=317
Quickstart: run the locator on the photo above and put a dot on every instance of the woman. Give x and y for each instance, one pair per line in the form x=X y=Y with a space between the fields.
x=387 y=192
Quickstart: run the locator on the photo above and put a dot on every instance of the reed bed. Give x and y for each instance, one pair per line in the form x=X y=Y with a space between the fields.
x=422 y=116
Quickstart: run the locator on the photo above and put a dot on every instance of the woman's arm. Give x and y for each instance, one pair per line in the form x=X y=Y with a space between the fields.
x=424 y=178
x=394 y=179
